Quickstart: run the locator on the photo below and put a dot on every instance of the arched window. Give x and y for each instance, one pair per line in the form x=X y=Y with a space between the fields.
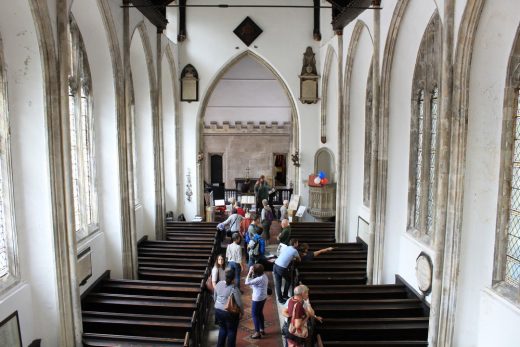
x=368 y=140
x=82 y=139
x=423 y=134
x=8 y=249
x=506 y=274
x=137 y=202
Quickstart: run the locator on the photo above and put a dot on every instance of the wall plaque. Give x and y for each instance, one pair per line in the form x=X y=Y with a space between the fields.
x=424 y=273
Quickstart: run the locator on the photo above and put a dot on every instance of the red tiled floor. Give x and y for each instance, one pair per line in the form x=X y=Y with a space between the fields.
x=272 y=326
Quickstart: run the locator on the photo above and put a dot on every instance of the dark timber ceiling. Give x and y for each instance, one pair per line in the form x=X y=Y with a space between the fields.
x=343 y=11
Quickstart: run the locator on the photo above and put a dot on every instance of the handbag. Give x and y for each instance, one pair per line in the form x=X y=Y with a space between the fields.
x=301 y=333
x=231 y=305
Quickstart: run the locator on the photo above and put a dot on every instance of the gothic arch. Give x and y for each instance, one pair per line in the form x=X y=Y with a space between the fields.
x=344 y=130
x=324 y=156
x=295 y=135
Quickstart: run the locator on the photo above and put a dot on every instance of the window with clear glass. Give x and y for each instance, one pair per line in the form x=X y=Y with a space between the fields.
x=423 y=134
x=9 y=274
x=368 y=140
x=82 y=139
x=512 y=266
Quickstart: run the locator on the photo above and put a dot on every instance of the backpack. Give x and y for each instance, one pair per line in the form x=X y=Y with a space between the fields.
x=252 y=247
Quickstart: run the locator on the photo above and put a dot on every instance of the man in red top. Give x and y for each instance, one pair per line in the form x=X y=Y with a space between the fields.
x=299 y=310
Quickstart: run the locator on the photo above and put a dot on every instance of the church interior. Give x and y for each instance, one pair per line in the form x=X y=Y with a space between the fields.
x=391 y=127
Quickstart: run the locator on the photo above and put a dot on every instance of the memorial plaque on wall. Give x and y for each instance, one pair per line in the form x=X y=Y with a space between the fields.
x=424 y=273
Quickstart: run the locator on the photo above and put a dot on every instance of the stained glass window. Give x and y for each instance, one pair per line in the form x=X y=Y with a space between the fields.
x=512 y=274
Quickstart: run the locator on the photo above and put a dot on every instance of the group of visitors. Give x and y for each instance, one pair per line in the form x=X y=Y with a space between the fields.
x=249 y=237
x=227 y=294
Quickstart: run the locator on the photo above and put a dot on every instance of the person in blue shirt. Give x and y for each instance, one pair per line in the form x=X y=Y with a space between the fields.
x=281 y=270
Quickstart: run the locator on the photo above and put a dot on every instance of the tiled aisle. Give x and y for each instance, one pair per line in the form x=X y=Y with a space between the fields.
x=246 y=327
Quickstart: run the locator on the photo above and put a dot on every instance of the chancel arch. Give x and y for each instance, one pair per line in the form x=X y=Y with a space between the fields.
x=248 y=96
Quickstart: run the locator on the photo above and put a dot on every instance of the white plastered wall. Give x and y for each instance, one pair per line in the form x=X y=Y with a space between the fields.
x=35 y=297
x=401 y=250
x=356 y=155
x=483 y=317
x=90 y=24
x=144 y=170
x=210 y=34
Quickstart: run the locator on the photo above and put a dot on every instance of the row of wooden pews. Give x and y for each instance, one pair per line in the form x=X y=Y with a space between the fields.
x=354 y=313
x=167 y=305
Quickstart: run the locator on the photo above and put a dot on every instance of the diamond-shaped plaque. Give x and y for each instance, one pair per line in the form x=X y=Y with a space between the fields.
x=247 y=31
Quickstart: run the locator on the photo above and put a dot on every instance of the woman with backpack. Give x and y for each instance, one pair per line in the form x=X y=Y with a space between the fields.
x=256 y=245
x=267 y=219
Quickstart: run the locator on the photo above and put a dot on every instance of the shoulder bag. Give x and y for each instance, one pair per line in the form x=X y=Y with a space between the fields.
x=297 y=335
x=231 y=305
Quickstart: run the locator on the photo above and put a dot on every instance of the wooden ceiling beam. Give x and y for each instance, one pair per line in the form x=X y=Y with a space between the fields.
x=154 y=14
x=345 y=11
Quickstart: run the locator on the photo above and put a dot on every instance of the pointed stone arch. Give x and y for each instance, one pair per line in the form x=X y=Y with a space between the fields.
x=295 y=135
x=344 y=131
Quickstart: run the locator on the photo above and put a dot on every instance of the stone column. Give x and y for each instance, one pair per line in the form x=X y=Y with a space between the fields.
x=341 y=165
x=376 y=239
x=65 y=232
x=438 y=309
x=158 y=145
x=126 y=166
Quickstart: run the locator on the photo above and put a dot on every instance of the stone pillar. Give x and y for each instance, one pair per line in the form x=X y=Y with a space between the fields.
x=65 y=232
x=158 y=145
x=126 y=167
x=341 y=166
x=438 y=311
x=375 y=232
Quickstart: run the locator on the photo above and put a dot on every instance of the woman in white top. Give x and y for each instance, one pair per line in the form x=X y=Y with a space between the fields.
x=217 y=273
x=234 y=257
x=259 y=283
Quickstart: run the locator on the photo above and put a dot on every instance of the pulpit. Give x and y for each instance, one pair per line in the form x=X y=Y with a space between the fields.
x=322 y=202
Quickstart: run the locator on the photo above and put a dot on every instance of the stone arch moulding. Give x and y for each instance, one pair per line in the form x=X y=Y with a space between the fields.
x=443 y=332
x=70 y=327
x=295 y=135
x=324 y=93
x=344 y=130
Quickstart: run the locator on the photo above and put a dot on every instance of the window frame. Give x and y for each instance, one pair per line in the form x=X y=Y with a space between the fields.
x=426 y=82
x=367 y=164
x=80 y=84
x=12 y=276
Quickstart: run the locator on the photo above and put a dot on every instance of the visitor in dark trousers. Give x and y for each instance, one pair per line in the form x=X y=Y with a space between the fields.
x=281 y=270
x=227 y=321
x=257 y=279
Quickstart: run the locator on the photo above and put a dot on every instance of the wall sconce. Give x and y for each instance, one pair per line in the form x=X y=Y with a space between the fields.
x=309 y=78
x=200 y=157
x=296 y=159
x=189 y=84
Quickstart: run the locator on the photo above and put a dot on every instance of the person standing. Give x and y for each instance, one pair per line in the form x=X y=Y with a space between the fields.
x=281 y=270
x=284 y=236
x=227 y=321
x=217 y=272
x=284 y=210
x=261 y=192
x=256 y=246
x=258 y=281
x=233 y=222
x=266 y=218
x=234 y=257
x=299 y=311
x=244 y=226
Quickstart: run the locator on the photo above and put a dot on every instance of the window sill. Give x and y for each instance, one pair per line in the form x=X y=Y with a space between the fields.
x=87 y=239
x=506 y=293
x=421 y=241
x=10 y=289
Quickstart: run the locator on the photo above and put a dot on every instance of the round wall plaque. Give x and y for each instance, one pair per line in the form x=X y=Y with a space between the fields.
x=424 y=273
